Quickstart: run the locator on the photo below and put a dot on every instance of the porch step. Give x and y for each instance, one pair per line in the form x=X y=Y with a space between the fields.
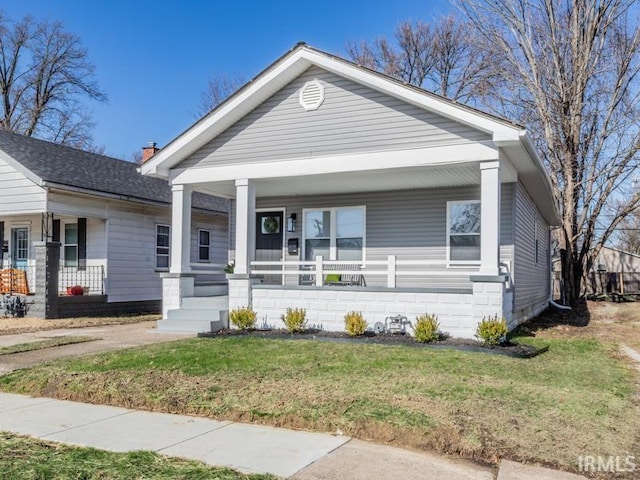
x=210 y=289
x=219 y=302
x=189 y=326
x=204 y=314
x=197 y=314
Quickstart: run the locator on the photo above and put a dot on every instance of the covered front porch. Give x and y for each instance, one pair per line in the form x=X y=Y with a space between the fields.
x=388 y=241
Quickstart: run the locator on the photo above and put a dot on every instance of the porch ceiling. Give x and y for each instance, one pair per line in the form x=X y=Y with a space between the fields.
x=363 y=181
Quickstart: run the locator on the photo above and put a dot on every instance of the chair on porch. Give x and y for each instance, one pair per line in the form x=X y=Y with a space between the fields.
x=345 y=279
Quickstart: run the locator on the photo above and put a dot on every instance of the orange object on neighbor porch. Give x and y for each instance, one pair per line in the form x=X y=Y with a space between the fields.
x=14 y=281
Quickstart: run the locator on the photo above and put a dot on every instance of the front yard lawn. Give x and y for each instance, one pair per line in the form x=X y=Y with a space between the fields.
x=24 y=457
x=576 y=399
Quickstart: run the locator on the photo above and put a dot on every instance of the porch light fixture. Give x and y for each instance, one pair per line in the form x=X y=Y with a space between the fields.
x=291 y=223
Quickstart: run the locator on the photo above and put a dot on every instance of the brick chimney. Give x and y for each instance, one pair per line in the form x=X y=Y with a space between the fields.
x=149 y=151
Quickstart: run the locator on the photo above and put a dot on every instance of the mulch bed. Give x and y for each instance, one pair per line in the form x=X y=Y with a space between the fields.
x=508 y=348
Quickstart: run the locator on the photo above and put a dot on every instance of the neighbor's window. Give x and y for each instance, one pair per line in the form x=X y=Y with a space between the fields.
x=163 y=235
x=463 y=231
x=204 y=242
x=71 y=245
x=334 y=234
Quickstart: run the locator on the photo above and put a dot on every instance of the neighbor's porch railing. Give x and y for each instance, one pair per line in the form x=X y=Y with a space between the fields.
x=91 y=278
x=391 y=268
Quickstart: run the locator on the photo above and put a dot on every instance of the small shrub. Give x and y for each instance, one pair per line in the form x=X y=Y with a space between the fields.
x=427 y=328
x=491 y=330
x=243 y=318
x=354 y=324
x=295 y=319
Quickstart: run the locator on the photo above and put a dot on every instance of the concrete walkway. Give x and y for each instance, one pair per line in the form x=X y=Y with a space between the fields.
x=248 y=448
x=111 y=337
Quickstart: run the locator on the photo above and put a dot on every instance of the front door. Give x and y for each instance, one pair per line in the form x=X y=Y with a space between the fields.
x=269 y=235
x=20 y=248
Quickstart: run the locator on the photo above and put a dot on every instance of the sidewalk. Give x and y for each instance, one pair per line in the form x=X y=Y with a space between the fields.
x=111 y=337
x=247 y=448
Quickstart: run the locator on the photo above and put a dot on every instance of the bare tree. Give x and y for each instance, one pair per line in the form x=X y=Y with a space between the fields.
x=629 y=234
x=45 y=75
x=219 y=88
x=569 y=70
x=442 y=57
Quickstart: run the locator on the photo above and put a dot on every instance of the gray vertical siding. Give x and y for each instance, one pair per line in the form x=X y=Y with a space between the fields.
x=531 y=279
x=353 y=118
x=410 y=224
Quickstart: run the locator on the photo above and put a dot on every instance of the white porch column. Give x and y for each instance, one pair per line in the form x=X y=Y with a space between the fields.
x=245 y=226
x=490 y=217
x=180 y=229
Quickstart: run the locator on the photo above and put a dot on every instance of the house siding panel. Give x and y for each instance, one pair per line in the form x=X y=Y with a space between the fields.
x=121 y=236
x=18 y=194
x=531 y=279
x=219 y=242
x=409 y=224
x=352 y=119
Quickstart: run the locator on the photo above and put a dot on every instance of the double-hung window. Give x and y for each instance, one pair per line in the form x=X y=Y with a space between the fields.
x=70 y=245
x=163 y=235
x=463 y=232
x=334 y=233
x=204 y=243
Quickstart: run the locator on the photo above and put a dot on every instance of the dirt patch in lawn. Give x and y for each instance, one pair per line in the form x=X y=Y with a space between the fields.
x=13 y=325
x=603 y=321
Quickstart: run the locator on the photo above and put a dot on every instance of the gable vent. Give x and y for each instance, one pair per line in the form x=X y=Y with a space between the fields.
x=312 y=95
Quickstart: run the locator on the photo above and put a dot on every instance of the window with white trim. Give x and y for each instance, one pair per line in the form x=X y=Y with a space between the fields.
x=70 y=247
x=163 y=237
x=463 y=232
x=334 y=233
x=204 y=244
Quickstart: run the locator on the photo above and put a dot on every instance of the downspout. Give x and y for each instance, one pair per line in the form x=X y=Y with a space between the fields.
x=551 y=302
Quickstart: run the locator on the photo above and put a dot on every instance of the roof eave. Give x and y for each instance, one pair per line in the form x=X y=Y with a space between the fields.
x=284 y=70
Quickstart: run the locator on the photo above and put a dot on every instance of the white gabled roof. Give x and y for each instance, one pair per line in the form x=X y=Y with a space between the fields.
x=287 y=69
x=295 y=62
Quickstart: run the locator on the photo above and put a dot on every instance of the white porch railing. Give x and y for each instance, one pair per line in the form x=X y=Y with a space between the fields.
x=91 y=278
x=391 y=268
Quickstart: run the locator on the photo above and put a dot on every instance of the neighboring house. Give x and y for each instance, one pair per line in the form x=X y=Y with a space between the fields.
x=113 y=224
x=354 y=191
x=613 y=271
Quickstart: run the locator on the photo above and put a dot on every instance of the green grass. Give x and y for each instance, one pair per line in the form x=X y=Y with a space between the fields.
x=576 y=399
x=48 y=343
x=28 y=458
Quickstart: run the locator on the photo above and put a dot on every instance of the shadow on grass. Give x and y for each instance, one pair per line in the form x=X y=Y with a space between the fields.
x=553 y=317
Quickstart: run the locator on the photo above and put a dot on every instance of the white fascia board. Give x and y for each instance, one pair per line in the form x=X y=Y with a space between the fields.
x=507 y=170
x=500 y=131
x=290 y=67
x=220 y=119
x=443 y=155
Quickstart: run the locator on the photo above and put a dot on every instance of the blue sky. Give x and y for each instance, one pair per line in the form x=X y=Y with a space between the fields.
x=153 y=58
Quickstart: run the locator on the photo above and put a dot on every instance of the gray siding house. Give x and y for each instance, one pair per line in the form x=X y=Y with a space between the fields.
x=353 y=191
x=111 y=223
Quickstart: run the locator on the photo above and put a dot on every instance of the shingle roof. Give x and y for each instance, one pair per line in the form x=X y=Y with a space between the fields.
x=73 y=168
